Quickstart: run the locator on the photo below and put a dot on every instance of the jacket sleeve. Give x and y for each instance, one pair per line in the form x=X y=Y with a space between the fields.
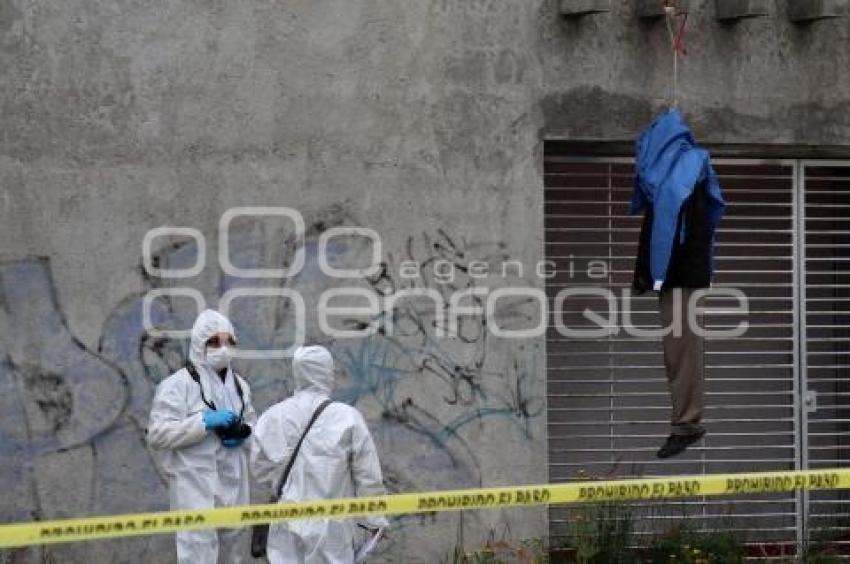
x=169 y=427
x=250 y=414
x=716 y=208
x=268 y=449
x=639 y=201
x=366 y=469
x=676 y=188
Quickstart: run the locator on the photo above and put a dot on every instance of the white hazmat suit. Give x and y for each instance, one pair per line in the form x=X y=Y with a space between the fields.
x=201 y=471
x=337 y=459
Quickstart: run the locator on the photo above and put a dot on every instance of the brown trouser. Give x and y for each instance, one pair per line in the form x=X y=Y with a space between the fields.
x=684 y=360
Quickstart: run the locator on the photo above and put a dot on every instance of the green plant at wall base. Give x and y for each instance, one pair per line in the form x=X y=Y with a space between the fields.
x=498 y=549
x=681 y=545
x=532 y=551
x=605 y=534
x=602 y=534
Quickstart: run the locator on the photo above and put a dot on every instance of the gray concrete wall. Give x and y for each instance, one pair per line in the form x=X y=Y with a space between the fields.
x=421 y=120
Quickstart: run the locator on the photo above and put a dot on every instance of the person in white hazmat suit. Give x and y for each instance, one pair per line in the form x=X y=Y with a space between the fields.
x=337 y=459
x=199 y=422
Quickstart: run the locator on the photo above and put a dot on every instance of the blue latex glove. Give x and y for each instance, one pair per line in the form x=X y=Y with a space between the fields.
x=219 y=419
x=232 y=443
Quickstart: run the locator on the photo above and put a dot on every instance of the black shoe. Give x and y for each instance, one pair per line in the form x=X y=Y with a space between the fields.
x=677 y=443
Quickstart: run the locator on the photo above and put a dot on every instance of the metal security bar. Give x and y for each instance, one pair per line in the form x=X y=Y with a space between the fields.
x=825 y=340
x=608 y=405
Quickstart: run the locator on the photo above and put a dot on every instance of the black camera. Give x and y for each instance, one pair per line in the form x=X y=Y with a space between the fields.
x=239 y=430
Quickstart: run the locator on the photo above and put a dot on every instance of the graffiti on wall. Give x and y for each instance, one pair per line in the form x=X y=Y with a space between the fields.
x=67 y=407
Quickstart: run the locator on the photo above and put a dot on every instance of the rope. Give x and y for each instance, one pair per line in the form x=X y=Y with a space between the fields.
x=677 y=42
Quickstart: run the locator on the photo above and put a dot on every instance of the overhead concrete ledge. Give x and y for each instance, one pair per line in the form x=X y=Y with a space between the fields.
x=810 y=10
x=732 y=10
x=577 y=8
x=652 y=9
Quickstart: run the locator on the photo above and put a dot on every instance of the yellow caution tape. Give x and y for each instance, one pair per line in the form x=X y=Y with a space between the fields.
x=91 y=528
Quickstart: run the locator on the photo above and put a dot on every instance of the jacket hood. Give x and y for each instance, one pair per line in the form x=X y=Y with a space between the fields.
x=668 y=168
x=208 y=323
x=660 y=152
x=313 y=367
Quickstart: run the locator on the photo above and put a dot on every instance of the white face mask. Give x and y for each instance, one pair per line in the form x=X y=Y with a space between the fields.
x=219 y=358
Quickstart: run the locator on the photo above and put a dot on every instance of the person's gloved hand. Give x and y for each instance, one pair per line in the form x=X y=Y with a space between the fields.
x=219 y=419
x=232 y=442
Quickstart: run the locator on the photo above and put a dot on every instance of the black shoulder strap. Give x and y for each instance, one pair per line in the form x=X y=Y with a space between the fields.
x=289 y=464
x=193 y=372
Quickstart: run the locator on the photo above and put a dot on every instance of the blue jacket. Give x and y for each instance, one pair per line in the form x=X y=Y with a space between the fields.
x=668 y=167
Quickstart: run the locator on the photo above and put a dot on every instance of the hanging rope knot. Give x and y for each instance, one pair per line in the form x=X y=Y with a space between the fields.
x=677 y=41
x=677 y=38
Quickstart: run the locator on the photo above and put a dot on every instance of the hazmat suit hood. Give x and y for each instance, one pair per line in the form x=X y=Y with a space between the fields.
x=208 y=323
x=313 y=367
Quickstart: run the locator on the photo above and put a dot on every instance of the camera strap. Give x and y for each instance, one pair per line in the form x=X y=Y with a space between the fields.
x=289 y=464
x=193 y=372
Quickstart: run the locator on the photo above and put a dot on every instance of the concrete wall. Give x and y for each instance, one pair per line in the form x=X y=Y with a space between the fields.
x=421 y=120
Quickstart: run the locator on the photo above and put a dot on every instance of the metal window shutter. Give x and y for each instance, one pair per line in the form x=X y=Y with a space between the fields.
x=608 y=405
x=825 y=230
